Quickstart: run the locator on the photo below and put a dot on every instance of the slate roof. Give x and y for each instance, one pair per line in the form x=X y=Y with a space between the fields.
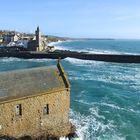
x=30 y=82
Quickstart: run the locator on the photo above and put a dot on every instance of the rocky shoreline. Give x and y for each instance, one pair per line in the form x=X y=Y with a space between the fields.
x=71 y=136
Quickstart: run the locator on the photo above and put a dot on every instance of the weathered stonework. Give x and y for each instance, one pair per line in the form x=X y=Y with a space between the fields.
x=31 y=120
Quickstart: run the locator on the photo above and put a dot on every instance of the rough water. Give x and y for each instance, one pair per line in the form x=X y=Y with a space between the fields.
x=105 y=97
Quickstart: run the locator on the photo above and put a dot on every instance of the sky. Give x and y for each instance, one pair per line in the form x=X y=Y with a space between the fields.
x=73 y=18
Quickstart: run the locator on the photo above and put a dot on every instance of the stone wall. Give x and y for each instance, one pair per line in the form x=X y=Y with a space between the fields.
x=33 y=122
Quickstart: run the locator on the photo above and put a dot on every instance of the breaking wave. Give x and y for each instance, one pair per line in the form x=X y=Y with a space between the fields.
x=61 y=45
x=79 y=62
x=58 y=45
x=91 y=127
x=11 y=59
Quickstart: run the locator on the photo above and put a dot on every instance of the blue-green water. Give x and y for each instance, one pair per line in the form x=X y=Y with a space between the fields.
x=105 y=97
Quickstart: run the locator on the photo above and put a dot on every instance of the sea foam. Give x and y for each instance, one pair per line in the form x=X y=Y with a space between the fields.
x=91 y=128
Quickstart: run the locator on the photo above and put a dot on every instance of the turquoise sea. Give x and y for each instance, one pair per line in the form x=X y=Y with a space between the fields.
x=105 y=97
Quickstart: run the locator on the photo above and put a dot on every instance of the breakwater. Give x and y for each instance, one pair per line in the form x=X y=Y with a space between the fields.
x=118 y=58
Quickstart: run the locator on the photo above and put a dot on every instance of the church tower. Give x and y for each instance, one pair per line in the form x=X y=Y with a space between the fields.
x=38 y=39
x=37 y=44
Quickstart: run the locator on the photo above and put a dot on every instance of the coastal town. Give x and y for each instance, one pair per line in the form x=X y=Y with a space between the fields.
x=28 y=41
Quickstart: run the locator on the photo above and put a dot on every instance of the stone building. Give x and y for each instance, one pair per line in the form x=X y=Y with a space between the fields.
x=38 y=43
x=35 y=102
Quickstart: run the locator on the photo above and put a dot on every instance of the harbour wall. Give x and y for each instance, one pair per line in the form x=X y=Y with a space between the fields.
x=117 y=58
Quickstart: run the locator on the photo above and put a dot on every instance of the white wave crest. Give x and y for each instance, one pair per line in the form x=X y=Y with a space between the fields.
x=82 y=62
x=10 y=59
x=100 y=51
x=39 y=60
x=60 y=48
x=54 y=43
x=63 y=138
x=91 y=128
x=57 y=45
x=116 y=107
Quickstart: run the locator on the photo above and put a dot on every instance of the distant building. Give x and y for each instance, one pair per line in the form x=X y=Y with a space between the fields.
x=10 y=38
x=37 y=44
x=34 y=102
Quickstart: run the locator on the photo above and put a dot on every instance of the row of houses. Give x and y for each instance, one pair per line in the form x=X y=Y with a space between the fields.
x=7 y=38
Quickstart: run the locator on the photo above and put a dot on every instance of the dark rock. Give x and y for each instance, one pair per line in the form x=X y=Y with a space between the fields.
x=72 y=135
x=25 y=138
x=7 y=138
x=48 y=137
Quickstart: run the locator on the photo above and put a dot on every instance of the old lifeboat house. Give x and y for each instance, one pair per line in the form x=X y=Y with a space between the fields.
x=35 y=102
